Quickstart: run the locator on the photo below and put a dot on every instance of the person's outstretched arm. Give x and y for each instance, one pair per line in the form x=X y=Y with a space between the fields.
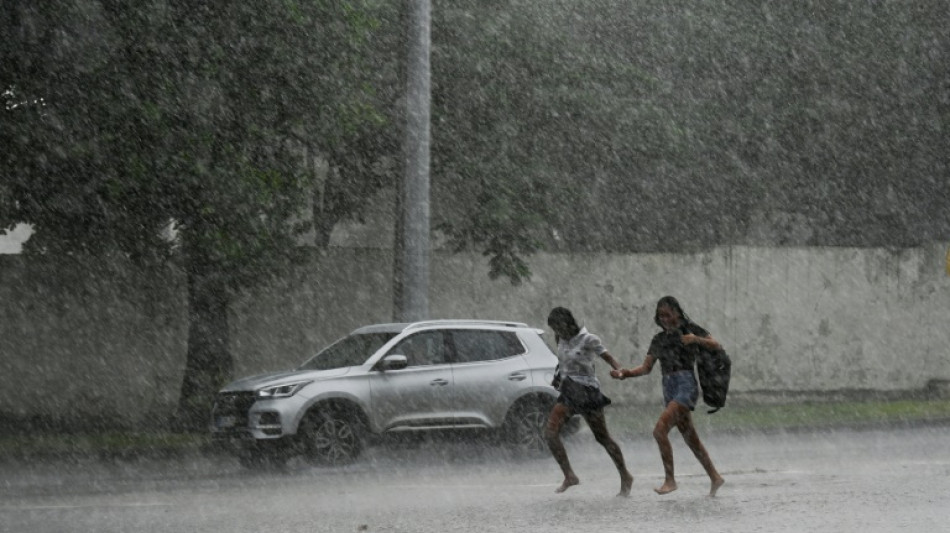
x=612 y=361
x=645 y=368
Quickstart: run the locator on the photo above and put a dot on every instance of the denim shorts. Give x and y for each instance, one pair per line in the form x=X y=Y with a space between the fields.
x=682 y=388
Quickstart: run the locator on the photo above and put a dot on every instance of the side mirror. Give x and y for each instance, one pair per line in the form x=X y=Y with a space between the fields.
x=393 y=362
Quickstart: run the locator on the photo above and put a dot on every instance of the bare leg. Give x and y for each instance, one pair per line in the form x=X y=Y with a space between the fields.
x=688 y=429
x=661 y=432
x=598 y=425
x=552 y=433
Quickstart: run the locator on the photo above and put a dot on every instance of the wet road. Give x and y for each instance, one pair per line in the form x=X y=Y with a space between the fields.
x=867 y=481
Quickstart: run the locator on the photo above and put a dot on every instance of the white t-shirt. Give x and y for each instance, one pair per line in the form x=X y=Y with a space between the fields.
x=576 y=357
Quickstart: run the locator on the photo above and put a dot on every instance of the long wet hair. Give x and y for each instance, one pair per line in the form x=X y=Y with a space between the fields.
x=673 y=304
x=562 y=317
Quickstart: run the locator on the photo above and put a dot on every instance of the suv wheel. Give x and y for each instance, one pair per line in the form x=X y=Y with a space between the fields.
x=330 y=437
x=524 y=428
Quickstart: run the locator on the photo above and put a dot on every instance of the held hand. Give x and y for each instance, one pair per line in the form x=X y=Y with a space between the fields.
x=689 y=338
x=618 y=374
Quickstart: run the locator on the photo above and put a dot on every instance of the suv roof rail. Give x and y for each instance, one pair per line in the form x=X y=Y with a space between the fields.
x=466 y=322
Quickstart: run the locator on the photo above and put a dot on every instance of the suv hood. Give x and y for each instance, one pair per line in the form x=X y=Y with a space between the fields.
x=271 y=379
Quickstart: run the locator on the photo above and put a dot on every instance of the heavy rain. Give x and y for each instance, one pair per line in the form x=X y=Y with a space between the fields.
x=197 y=199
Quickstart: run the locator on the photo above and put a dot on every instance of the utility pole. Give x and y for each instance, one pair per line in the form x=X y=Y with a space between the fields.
x=411 y=283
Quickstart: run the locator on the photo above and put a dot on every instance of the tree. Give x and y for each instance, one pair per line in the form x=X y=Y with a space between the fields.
x=125 y=118
x=534 y=121
x=670 y=126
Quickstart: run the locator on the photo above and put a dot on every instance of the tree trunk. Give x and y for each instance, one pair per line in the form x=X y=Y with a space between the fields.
x=209 y=364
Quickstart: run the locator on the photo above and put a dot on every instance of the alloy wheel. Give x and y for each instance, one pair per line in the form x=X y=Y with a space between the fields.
x=526 y=431
x=331 y=439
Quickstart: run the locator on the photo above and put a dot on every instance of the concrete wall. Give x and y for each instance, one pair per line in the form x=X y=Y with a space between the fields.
x=791 y=319
x=110 y=339
x=107 y=340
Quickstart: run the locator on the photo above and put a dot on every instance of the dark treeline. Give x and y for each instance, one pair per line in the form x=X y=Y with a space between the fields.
x=605 y=125
x=659 y=125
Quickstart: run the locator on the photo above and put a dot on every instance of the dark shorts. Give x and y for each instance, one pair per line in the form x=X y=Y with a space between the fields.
x=682 y=388
x=581 y=399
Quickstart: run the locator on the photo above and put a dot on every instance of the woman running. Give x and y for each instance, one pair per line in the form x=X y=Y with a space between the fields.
x=580 y=394
x=676 y=348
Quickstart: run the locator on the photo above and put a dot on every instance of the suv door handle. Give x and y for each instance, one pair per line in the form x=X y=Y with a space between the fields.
x=440 y=382
x=517 y=376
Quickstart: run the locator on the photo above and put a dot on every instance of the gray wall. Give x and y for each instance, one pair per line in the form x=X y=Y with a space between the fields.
x=110 y=339
x=100 y=340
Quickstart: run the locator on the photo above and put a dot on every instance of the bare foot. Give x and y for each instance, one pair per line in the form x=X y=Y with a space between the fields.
x=667 y=488
x=569 y=482
x=626 y=481
x=716 y=483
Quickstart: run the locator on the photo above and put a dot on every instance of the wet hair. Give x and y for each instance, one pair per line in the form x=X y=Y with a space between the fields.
x=561 y=317
x=673 y=304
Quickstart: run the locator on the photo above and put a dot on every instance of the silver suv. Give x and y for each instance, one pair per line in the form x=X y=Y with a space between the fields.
x=385 y=378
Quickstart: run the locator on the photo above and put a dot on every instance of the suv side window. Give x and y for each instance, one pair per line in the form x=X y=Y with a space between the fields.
x=473 y=345
x=422 y=349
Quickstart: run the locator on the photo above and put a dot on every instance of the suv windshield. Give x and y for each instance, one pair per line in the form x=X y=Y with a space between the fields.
x=348 y=351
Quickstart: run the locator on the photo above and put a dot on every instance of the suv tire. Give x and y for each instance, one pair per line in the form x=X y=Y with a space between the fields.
x=330 y=436
x=525 y=425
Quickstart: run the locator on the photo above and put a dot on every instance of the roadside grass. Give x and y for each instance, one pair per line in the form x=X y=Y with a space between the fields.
x=108 y=444
x=753 y=417
x=631 y=420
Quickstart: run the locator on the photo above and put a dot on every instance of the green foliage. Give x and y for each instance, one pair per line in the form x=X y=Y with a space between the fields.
x=596 y=126
x=676 y=125
x=530 y=118
x=625 y=127
x=128 y=117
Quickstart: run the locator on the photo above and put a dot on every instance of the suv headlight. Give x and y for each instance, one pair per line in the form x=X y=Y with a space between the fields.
x=281 y=391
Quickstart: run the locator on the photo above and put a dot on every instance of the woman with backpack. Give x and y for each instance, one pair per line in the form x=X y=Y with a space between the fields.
x=676 y=349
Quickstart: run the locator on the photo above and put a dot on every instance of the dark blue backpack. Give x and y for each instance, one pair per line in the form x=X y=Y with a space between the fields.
x=714 y=370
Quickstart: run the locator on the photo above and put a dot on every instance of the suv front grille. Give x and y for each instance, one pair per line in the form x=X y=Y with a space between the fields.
x=232 y=407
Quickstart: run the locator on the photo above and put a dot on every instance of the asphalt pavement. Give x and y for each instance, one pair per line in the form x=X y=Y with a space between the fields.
x=879 y=480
